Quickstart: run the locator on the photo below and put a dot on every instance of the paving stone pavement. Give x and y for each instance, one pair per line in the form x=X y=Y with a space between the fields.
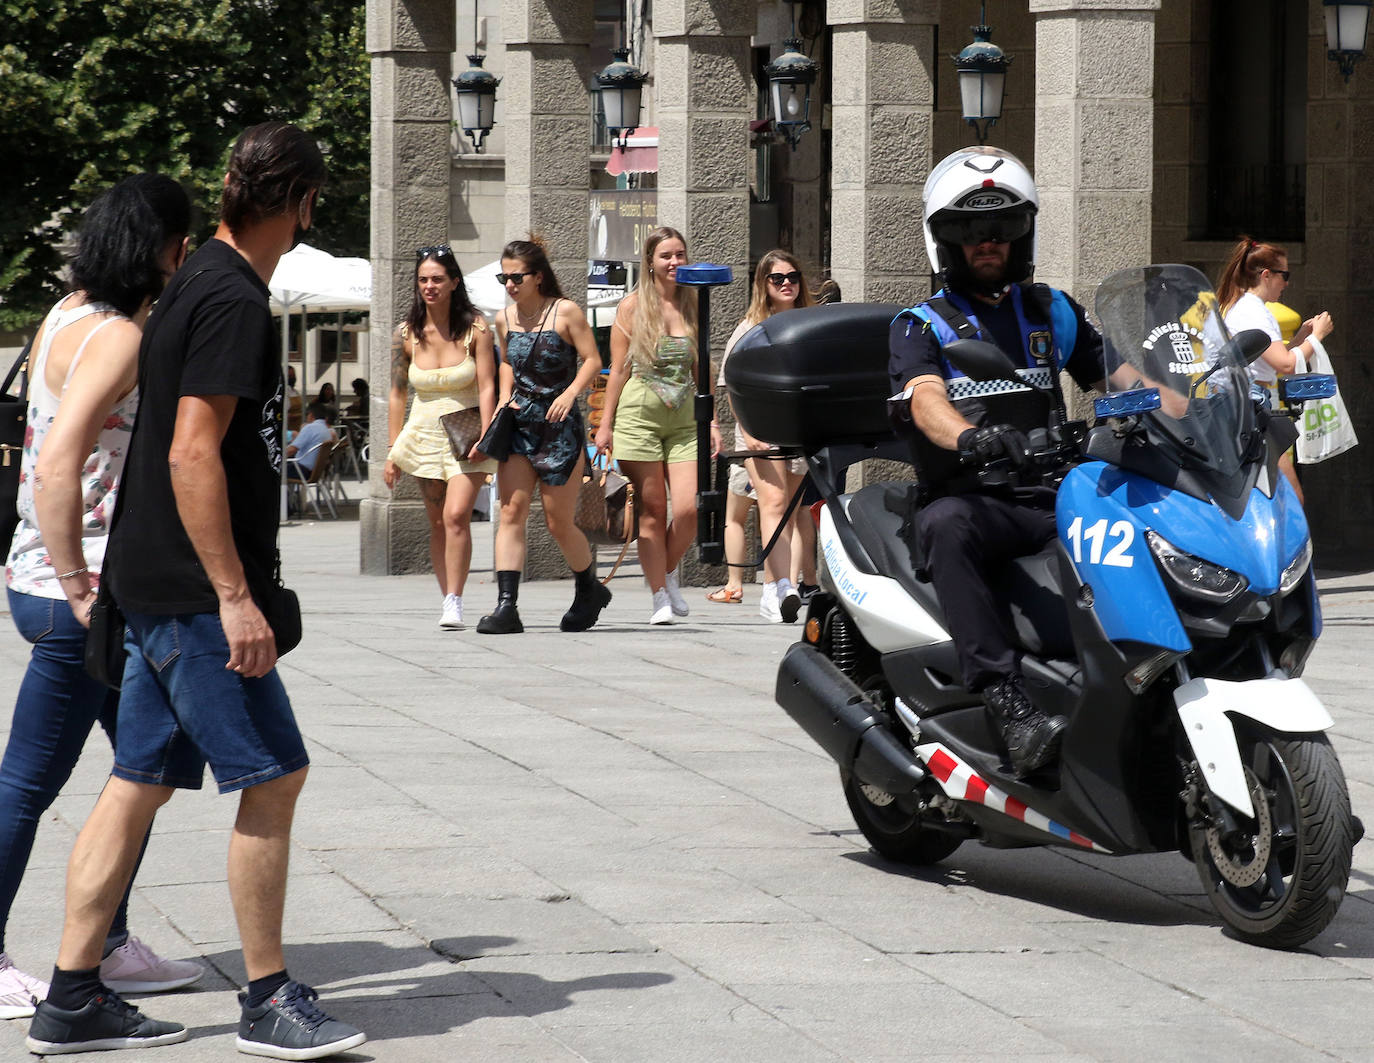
x=614 y=847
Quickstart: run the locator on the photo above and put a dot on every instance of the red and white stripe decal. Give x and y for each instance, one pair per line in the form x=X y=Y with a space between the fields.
x=961 y=783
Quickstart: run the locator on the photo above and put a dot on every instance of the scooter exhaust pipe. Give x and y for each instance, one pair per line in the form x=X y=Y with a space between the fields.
x=834 y=711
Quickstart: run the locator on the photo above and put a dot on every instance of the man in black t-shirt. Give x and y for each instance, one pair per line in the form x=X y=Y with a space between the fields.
x=192 y=562
x=980 y=235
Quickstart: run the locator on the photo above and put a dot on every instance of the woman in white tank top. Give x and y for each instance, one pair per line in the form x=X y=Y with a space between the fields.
x=82 y=400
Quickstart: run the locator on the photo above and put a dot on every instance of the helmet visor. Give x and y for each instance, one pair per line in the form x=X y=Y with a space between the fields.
x=970 y=229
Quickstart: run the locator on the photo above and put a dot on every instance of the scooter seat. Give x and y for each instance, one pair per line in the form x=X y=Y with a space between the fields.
x=876 y=513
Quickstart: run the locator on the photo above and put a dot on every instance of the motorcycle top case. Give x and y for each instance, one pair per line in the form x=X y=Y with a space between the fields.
x=814 y=377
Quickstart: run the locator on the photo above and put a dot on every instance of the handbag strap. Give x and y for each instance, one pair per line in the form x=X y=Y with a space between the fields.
x=629 y=529
x=19 y=364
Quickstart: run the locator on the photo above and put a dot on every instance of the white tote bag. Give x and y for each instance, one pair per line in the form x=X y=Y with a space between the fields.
x=1325 y=424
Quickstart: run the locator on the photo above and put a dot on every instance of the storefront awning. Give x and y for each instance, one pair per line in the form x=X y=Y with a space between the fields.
x=640 y=154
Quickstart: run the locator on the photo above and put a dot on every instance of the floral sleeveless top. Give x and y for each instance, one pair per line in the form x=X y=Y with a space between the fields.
x=28 y=568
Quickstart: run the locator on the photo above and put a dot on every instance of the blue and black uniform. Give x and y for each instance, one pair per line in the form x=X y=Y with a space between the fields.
x=962 y=529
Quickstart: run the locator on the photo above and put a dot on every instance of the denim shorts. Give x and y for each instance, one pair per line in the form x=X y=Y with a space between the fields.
x=181 y=708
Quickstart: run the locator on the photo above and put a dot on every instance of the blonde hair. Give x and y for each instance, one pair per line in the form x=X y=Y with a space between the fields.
x=648 y=320
x=759 y=307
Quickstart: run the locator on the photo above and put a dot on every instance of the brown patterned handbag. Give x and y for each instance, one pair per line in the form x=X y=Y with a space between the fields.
x=606 y=511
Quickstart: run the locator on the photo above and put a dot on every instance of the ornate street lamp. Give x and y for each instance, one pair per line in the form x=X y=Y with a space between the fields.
x=476 y=90
x=621 y=85
x=1346 y=27
x=790 y=77
x=982 y=68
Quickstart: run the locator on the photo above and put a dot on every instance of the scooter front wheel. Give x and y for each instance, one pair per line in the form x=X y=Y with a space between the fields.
x=900 y=834
x=1279 y=878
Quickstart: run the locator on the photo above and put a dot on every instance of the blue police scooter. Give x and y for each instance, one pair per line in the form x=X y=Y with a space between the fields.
x=1169 y=622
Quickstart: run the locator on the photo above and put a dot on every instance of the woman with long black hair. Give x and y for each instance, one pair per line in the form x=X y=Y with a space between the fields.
x=444 y=351
x=83 y=395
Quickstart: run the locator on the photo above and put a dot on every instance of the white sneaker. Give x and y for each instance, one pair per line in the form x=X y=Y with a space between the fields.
x=18 y=991
x=768 y=604
x=679 y=603
x=663 y=608
x=789 y=601
x=452 y=617
x=135 y=968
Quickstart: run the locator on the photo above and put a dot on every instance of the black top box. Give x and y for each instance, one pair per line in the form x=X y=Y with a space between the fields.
x=814 y=377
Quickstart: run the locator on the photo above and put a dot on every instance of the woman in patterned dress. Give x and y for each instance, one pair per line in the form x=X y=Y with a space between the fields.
x=443 y=350
x=549 y=359
x=83 y=394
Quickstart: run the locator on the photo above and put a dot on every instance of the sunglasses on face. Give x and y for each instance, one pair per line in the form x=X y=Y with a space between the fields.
x=777 y=280
x=1284 y=273
x=422 y=253
x=513 y=278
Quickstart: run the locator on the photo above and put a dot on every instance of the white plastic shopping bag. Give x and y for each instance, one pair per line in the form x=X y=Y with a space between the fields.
x=1325 y=424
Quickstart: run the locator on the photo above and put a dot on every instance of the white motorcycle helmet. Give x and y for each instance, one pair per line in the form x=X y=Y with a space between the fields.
x=977 y=194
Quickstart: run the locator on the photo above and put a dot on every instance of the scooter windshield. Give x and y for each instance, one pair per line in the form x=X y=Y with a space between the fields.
x=1162 y=328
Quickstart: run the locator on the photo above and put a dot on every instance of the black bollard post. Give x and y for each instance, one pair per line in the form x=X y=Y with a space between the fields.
x=710 y=497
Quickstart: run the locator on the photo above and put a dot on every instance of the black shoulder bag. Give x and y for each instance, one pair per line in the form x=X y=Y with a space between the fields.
x=14 y=420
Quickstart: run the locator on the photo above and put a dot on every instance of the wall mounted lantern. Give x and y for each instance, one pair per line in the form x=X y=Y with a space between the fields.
x=790 y=77
x=982 y=68
x=476 y=90
x=621 y=86
x=1346 y=27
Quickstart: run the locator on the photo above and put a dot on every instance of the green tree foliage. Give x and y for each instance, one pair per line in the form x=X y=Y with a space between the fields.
x=94 y=90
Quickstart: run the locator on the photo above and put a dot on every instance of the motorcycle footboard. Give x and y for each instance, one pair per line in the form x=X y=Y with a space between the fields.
x=830 y=708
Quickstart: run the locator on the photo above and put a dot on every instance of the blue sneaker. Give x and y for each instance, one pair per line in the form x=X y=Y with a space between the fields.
x=105 y=1022
x=288 y=1025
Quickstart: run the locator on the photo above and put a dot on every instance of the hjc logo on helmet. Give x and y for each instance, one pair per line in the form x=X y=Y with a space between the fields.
x=986 y=200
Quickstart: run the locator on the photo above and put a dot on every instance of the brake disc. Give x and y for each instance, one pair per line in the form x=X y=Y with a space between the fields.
x=1242 y=869
x=874 y=796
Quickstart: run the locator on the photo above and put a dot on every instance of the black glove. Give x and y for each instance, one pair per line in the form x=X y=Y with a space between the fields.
x=980 y=446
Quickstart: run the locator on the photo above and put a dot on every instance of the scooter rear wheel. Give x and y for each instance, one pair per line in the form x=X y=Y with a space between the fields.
x=901 y=835
x=1279 y=882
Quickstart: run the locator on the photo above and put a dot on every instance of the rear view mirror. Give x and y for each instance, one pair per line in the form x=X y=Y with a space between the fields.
x=980 y=360
x=1252 y=343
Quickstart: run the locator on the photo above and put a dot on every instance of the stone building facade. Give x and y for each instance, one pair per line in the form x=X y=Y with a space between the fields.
x=1157 y=130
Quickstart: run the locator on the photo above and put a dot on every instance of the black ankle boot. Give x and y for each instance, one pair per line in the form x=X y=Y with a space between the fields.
x=1031 y=737
x=589 y=598
x=505 y=618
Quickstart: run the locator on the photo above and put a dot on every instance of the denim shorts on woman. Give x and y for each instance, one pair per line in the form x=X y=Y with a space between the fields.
x=181 y=708
x=647 y=430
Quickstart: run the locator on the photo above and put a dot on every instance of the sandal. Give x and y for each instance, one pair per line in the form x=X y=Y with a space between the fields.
x=725 y=596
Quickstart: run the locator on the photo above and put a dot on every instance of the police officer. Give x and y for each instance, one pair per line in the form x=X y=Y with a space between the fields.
x=980 y=207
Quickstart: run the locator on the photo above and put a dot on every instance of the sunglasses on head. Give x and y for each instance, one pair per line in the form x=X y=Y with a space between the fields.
x=779 y=279
x=1284 y=273
x=422 y=253
x=513 y=278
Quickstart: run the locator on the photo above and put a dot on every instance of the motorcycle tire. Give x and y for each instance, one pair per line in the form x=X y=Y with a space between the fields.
x=1281 y=884
x=901 y=836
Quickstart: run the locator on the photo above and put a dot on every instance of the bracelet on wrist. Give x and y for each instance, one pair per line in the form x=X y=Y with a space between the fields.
x=74 y=572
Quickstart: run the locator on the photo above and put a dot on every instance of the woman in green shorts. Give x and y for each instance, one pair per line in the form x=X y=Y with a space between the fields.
x=649 y=415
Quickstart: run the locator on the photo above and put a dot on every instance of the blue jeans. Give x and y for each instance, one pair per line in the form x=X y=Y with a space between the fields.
x=181 y=708
x=58 y=705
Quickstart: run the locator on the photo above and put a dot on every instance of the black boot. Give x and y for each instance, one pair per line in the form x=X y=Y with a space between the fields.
x=1031 y=737
x=505 y=618
x=589 y=598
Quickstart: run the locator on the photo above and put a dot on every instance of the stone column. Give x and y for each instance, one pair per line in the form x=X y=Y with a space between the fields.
x=704 y=99
x=1094 y=139
x=548 y=143
x=411 y=43
x=882 y=110
x=882 y=115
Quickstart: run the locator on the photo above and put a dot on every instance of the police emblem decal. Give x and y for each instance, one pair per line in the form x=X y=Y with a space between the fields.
x=1041 y=345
